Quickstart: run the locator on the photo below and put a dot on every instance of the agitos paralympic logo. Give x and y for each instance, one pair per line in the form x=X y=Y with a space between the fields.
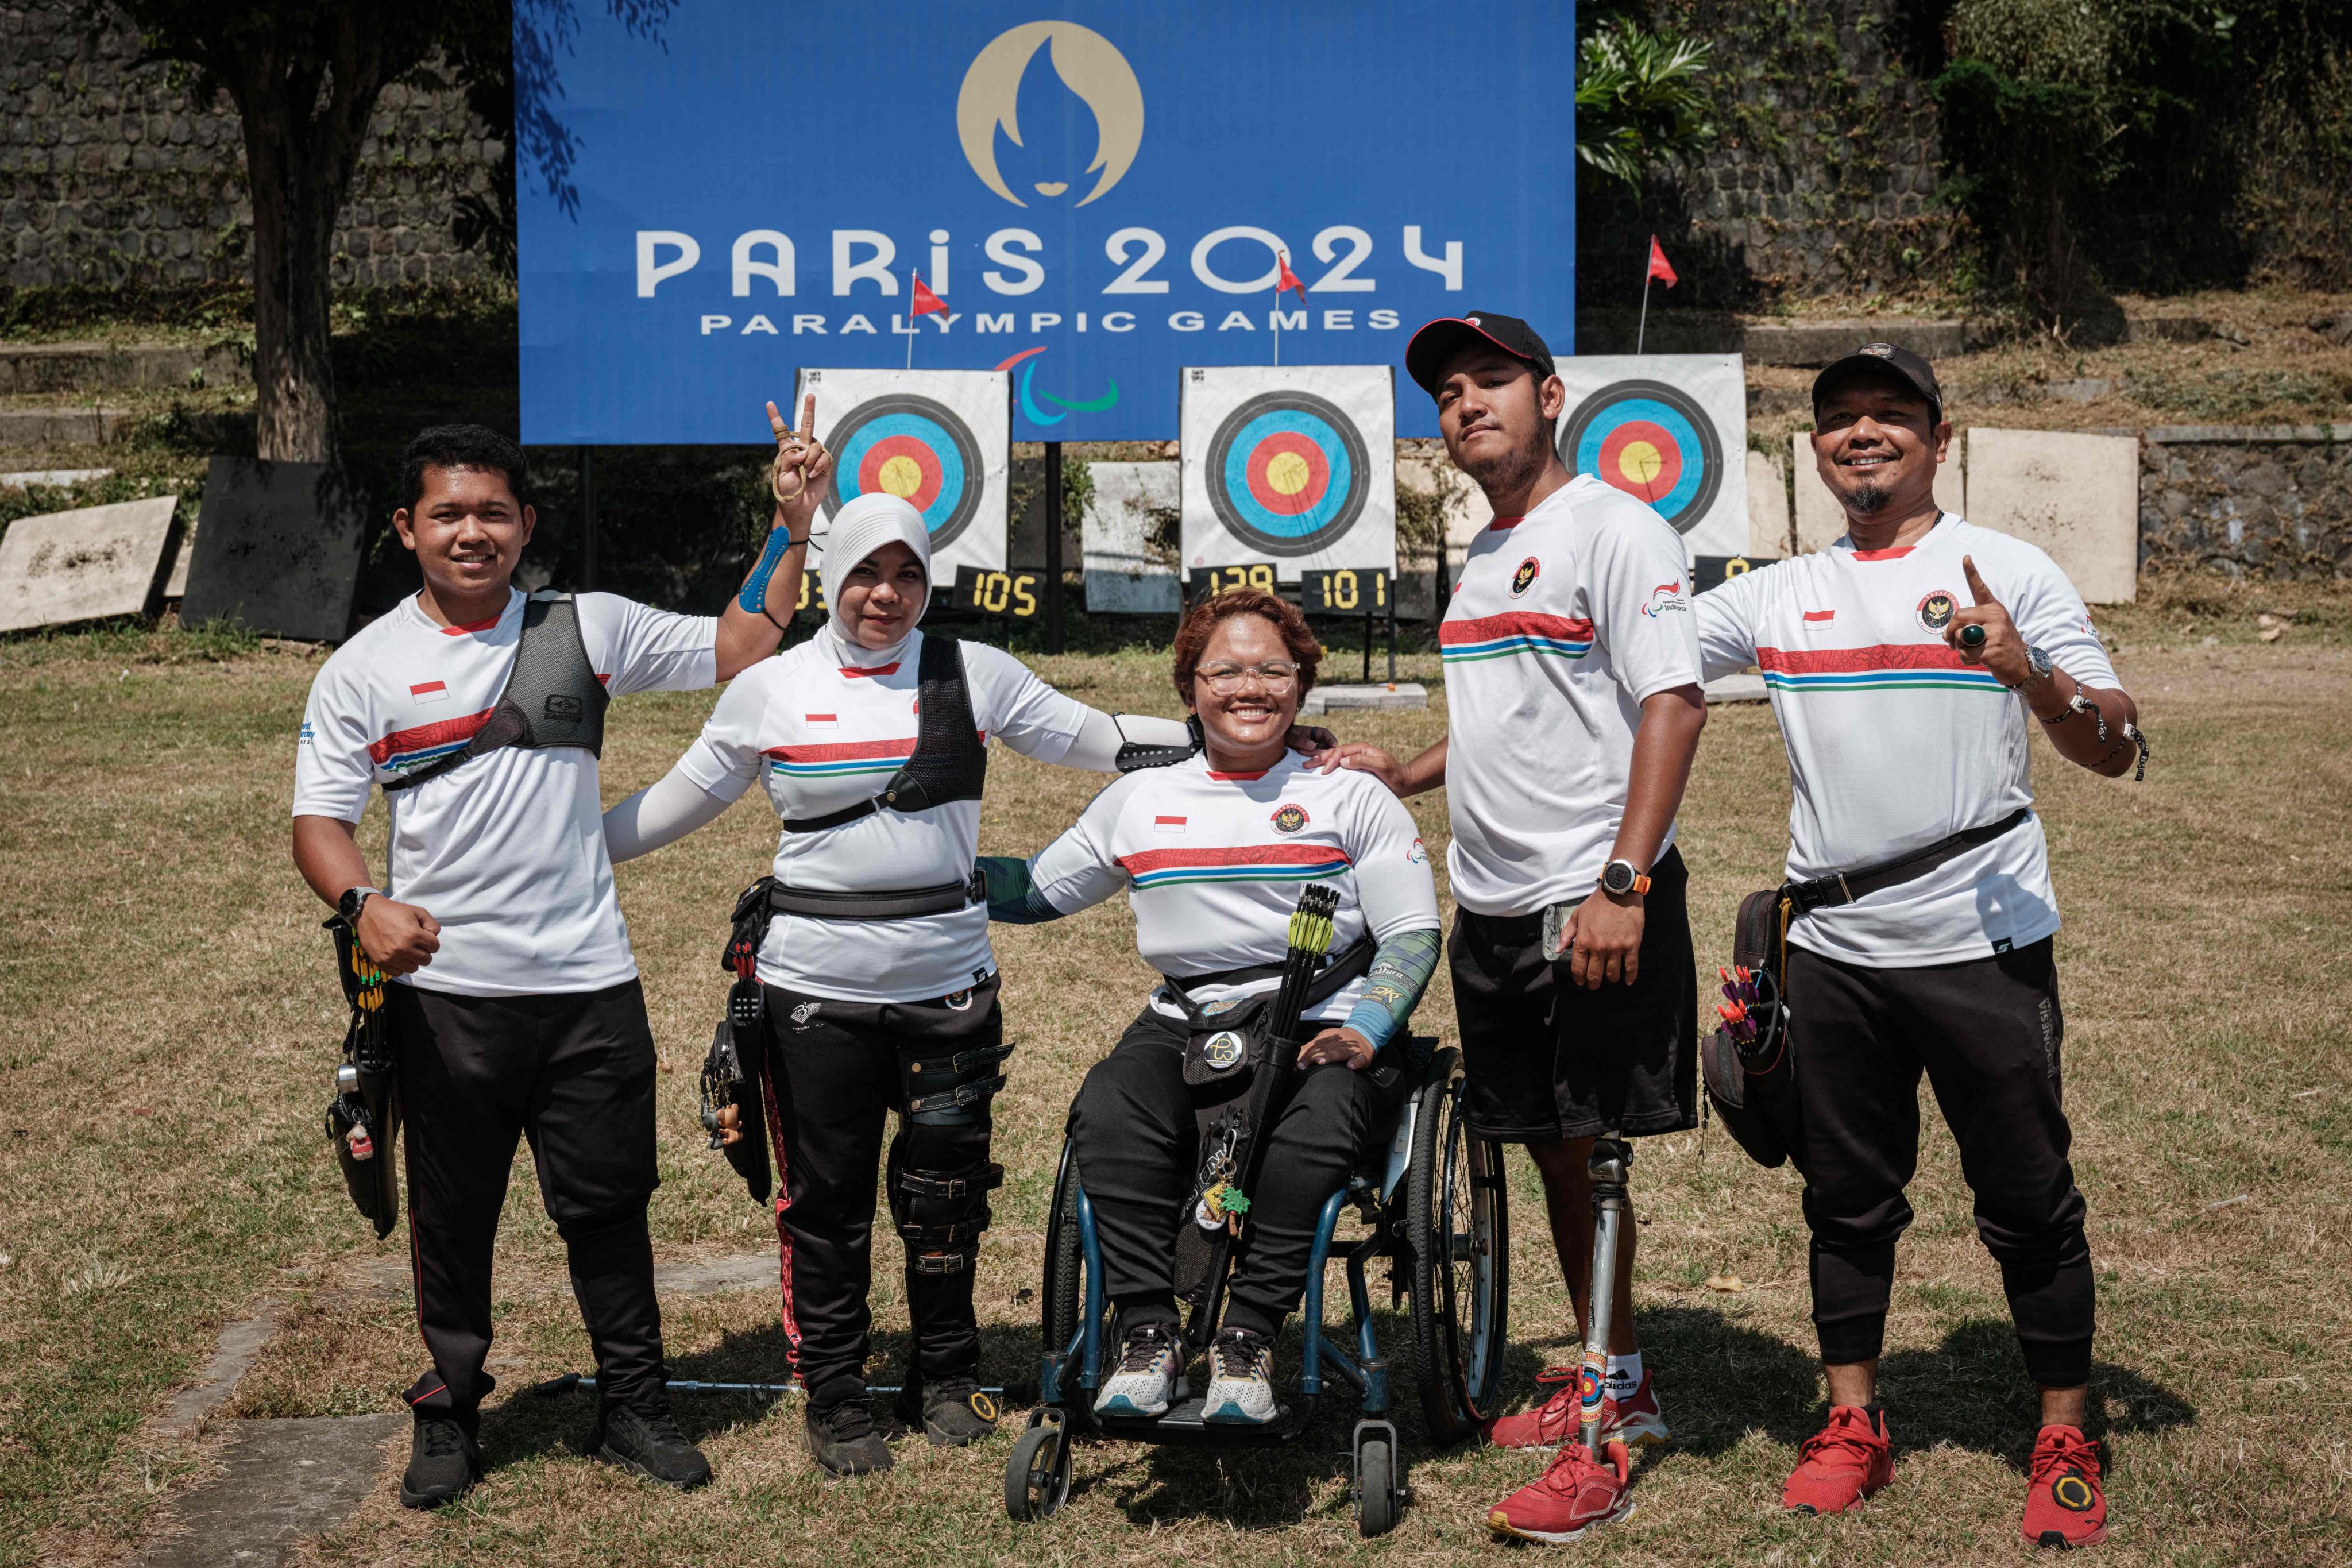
x=1028 y=394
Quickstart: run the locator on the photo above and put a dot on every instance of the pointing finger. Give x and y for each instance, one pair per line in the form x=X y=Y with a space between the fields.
x=1976 y=583
x=775 y=420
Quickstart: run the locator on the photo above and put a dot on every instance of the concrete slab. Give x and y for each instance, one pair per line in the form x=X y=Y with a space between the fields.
x=1123 y=577
x=1817 y=518
x=279 y=549
x=1736 y=689
x=2075 y=495
x=61 y=426
x=1337 y=699
x=717 y=1276
x=117 y=367
x=53 y=479
x=283 y=1481
x=1769 y=531
x=1817 y=342
x=234 y=1354
x=69 y=566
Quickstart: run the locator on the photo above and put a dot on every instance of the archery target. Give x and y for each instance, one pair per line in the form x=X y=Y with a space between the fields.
x=938 y=440
x=1667 y=429
x=1296 y=467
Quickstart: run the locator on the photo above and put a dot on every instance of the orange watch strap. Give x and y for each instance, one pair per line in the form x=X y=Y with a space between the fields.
x=1642 y=884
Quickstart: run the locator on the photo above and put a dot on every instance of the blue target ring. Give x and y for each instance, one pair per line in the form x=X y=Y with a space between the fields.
x=915 y=448
x=1652 y=441
x=1287 y=473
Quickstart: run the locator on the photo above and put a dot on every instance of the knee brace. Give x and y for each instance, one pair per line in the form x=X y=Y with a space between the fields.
x=941 y=1212
x=950 y=1088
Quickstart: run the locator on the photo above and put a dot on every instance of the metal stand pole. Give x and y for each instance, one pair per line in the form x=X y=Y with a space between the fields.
x=1053 y=547
x=1392 y=596
x=587 y=518
x=1609 y=1169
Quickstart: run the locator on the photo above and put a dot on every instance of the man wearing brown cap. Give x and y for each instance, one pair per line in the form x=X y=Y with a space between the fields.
x=1574 y=708
x=1909 y=664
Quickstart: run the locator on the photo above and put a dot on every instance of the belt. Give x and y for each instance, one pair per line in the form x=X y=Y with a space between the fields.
x=896 y=904
x=1846 y=887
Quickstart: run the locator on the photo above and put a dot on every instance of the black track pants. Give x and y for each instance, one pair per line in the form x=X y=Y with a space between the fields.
x=1133 y=1133
x=836 y=1067
x=574 y=1073
x=1987 y=1032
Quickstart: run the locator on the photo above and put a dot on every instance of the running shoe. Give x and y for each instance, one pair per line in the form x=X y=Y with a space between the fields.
x=1841 y=1465
x=1148 y=1380
x=1241 y=1379
x=2066 y=1505
x=1634 y=1422
x=1575 y=1494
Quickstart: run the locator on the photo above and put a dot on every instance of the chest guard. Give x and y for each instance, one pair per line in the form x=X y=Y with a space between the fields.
x=948 y=762
x=552 y=697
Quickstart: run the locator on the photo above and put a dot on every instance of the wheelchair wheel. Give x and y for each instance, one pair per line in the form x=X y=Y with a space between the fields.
x=1377 y=1500
x=1064 y=1291
x=1037 y=1473
x=1457 y=1220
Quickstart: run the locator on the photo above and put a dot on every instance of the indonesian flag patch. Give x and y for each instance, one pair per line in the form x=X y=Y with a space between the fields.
x=1167 y=824
x=430 y=691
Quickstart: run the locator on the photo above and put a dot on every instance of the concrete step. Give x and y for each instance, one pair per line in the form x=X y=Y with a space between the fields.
x=117 y=367
x=61 y=426
x=1807 y=344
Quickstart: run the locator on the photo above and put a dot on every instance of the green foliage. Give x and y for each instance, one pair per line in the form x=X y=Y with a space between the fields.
x=1639 y=101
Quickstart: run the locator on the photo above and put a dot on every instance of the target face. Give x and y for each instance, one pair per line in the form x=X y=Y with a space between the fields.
x=1652 y=441
x=914 y=448
x=1287 y=473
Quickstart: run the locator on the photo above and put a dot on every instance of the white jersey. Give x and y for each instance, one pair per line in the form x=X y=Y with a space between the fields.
x=1214 y=864
x=507 y=851
x=1894 y=743
x=824 y=726
x=1564 y=621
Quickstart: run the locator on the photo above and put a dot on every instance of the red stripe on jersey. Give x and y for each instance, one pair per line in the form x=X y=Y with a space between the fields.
x=604 y=681
x=1144 y=861
x=1505 y=524
x=852 y=671
x=1228 y=778
x=1821 y=614
x=1521 y=622
x=439 y=733
x=843 y=751
x=428 y=686
x=1883 y=554
x=473 y=625
x=1854 y=660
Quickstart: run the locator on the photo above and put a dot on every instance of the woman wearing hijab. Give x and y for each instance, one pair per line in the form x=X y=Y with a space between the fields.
x=878 y=984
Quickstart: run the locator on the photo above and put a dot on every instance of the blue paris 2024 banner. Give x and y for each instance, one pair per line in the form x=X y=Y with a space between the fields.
x=1099 y=193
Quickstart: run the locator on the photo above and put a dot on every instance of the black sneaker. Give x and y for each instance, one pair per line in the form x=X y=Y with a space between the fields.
x=952 y=1411
x=648 y=1446
x=841 y=1435
x=444 y=1463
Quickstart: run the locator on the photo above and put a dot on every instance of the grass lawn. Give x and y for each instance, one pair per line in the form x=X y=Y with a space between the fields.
x=172 y=1025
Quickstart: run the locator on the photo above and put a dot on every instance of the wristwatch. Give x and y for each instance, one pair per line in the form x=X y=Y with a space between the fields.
x=2037 y=667
x=352 y=901
x=1620 y=877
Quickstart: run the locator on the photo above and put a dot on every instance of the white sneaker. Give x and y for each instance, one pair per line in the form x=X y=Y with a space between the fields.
x=1241 y=1380
x=1146 y=1381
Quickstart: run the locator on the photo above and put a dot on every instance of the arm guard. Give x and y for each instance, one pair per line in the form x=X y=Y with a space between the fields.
x=1399 y=974
x=1120 y=742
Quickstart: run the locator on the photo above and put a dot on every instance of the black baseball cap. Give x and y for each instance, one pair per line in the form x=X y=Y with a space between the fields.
x=1441 y=340
x=1885 y=361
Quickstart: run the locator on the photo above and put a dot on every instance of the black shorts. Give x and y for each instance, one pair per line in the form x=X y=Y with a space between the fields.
x=1546 y=1060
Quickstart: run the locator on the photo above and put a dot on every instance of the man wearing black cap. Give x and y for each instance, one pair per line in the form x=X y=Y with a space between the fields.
x=1909 y=664
x=1572 y=684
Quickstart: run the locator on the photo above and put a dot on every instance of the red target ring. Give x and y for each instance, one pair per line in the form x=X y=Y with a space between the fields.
x=1642 y=458
x=1288 y=474
x=894 y=463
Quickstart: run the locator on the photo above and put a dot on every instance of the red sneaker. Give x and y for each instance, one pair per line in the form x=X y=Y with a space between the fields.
x=1634 y=1421
x=1576 y=1493
x=2065 y=1505
x=1841 y=1465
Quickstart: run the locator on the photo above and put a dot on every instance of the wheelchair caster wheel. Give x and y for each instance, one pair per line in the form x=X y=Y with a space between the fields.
x=1376 y=1479
x=1037 y=1474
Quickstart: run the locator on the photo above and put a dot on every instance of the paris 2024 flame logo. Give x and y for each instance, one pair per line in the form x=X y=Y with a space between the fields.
x=1090 y=66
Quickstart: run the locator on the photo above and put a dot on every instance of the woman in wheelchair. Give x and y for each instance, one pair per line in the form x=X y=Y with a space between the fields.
x=1214 y=851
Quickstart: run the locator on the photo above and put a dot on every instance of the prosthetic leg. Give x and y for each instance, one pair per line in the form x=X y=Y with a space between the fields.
x=1609 y=1169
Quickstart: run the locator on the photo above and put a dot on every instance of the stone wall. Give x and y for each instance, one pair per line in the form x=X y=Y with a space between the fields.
x=2269 y=501
x=109 y=176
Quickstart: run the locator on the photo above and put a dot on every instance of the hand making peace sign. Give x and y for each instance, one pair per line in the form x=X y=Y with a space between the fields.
x=803 y=468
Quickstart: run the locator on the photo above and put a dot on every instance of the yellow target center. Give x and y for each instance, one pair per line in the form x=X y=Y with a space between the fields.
x=901 y=475
x=1287 y=473
x=1641 y=462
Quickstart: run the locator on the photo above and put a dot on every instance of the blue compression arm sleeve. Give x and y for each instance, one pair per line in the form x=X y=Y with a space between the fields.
x=754 y=596
x=1011 y=897
x=1399 y=974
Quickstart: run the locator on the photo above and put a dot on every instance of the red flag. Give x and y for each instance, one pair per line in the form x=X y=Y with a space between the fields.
x=924 y=302
x=1658 y=267
x=1287 y=279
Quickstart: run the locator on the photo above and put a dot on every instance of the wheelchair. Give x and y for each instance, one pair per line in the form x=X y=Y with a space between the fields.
x=1433 y=1204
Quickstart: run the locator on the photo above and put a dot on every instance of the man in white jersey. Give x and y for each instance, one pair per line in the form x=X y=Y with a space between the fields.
x=1573 y=710
x=1909 y=664
x=516 y=1007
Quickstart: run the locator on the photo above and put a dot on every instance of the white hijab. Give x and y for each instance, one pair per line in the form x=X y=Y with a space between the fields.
x=859 y=529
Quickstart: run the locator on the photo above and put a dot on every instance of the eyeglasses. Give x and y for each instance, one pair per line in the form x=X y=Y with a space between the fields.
x=1224 y=679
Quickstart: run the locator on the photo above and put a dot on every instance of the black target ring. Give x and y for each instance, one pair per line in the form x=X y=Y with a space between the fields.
x=1667 y=420
x=1292 y=417
x=925 y=421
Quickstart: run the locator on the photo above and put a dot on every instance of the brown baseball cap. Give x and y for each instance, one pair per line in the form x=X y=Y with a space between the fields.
x=1441 y=340
x=1885 y=362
